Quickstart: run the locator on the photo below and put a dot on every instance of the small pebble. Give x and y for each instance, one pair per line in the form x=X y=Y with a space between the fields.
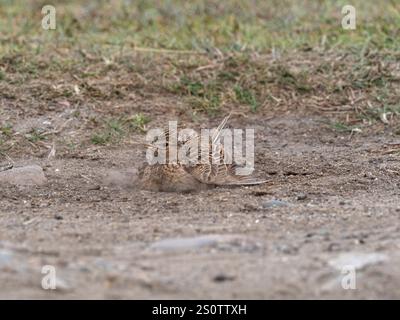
x=274 y=204
x=301 y=196
x=24 y=176
x=223 y=277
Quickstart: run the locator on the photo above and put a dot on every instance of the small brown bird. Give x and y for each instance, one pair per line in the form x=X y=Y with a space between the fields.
x=193 y=175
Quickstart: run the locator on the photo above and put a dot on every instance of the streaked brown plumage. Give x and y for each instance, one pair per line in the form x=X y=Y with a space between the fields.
x=181 y=177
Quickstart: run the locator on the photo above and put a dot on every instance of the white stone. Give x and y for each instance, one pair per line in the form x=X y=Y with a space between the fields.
x=23 y=176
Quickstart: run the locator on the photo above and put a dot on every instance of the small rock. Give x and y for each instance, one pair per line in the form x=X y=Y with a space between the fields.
x=286 y=249
x=24 y=176
x=94 y=187
x=357 y=260
x=274 y=204
x=301 y=196
x=223 y=277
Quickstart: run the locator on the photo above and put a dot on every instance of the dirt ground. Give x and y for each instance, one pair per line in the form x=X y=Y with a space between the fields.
x=339 y=198
x=324 y=103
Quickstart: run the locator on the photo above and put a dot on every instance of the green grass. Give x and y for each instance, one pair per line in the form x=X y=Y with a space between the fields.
x=202 y=25
x=202 y=95
x=210 y=103
x=35 y=135
x=101 y=138
x=138 y=122
x=342 y=127
x=287 y=78
x=6 y=130
x=383 y=114
x=246 y=96
x=112 y=132
x=204 y=58
x=191 y=87
x=114 y=129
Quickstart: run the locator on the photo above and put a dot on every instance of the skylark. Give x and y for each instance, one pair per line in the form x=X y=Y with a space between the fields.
x=193 y=175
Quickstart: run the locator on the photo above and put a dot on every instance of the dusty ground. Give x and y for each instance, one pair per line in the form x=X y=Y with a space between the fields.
x=341 y=196
x=324 y=102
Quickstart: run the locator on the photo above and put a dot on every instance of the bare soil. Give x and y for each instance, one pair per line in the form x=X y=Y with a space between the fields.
x=340 y=195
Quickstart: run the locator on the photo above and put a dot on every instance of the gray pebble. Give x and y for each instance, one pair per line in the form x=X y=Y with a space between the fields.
x=274 y=204
x=301 y=196
x=24 y=176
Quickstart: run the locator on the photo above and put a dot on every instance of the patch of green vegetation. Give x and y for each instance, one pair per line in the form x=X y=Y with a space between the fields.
x=373 y=114
x=286 y=78
x=6 y=130
x=216 y=55
x=101 y=138
x=210 y=103
x=71 y=145
x=35 y=135
x=246 y=96
x=117 y=128
x=194 y=88
x=5 y=134
x=228 y=75
x=112 y=132
x=202 y=96
x=342 y=127
x=138 y=122
x=76 y=114
x=199 y=25
x=395 y=109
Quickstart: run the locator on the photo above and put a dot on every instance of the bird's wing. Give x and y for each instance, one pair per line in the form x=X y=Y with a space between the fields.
x=215 y=170
x=223 y=174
